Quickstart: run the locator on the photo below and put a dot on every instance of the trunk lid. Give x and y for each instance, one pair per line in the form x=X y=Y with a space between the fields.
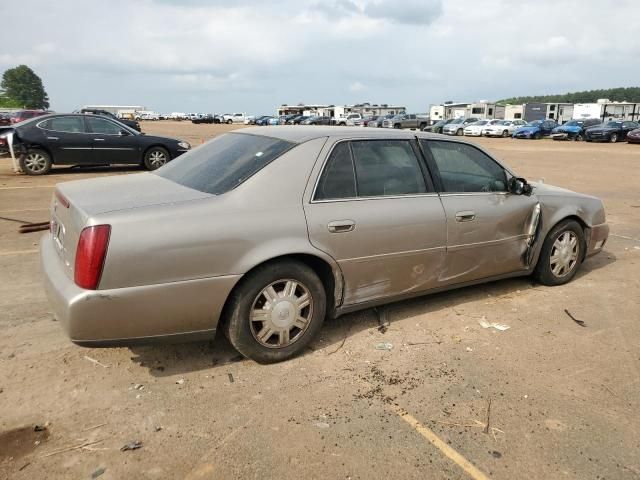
x=76 y=205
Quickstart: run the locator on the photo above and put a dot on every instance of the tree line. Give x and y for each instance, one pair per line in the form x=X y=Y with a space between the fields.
x=620 y=94
x=22 y=88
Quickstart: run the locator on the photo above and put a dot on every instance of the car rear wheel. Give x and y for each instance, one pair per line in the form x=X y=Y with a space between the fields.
x=562 y=253
x=36 y=162
x=459 y=132
x=505 y=134
x=579 y=137
x=537 y=136
x=613 y=138
x=229 y=122
x=276 y=311
x=156 y=157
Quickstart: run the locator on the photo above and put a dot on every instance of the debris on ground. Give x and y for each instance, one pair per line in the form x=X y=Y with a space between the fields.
x=138 y=386
x=498 y=326
x=383 y=321
x=180 y=382
x=136 y=444
x=96 y=473
x=469 y=349
x=231 y=377
x=157 y=428
x=321 y=424
x=384 y=346
x=579 y=322
x=41 y=428
x=93 y=360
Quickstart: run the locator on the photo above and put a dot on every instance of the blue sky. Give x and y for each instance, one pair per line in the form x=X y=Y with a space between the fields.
x=249 y=55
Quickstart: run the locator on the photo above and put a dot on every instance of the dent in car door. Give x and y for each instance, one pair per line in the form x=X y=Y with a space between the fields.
x=489 y=231
x=388 y=234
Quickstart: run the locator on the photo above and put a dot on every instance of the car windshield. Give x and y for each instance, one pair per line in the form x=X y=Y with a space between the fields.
x=574 y=123
x=535 y=123
x=613 y=124
x=480 y=122
x=224 y=163
x=457 y=121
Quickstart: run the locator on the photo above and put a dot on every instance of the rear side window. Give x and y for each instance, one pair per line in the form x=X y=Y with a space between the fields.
x=224 y=163
x=104 y=127
x=463 y=168
x=64 y=124
x=377 y=168
x=338 y=179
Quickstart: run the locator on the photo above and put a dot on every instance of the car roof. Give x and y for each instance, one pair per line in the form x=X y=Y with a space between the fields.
x=302 y=133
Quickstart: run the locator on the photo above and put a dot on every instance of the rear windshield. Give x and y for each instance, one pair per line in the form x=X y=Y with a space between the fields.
x=224 y=163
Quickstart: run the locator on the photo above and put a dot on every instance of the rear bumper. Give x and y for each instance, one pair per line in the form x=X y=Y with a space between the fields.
x=177 y=311
x=597 y=239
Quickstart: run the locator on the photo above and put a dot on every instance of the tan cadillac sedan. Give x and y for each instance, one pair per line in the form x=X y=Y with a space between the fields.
x=264 y=232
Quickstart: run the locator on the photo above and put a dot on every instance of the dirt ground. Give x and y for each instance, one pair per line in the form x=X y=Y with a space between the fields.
x=563 y=397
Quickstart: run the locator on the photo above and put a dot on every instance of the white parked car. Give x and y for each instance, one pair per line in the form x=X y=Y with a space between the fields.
x=249 y=120
x=235 y=118
x=503 y=128
x=475 y=129
x=457 y=126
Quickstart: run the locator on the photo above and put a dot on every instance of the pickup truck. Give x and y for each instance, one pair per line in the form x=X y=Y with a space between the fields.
x=346 y=120
x=406 y=120
x=235 y=118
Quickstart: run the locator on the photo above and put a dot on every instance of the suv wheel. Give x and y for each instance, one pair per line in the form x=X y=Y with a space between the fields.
x=562 y=253
x=36 y=162
x=276 y=311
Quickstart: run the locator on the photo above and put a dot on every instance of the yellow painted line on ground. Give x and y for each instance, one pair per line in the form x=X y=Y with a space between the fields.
x=452 y=454
x=18 y=252
x=30 y=186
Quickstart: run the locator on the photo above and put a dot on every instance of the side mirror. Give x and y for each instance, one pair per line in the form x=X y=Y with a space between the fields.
x=123 y=133
x=519 y=186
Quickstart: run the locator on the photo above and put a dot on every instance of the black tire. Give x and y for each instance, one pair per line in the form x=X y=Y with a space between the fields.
x=579 y=137
x=239 y=328
x=153 y=158
x=543 y=271
x=422 y=126
x=613 y=138
x=505 y=134
x=397 y=126
x=537 y=136
x=36 y=162
x=229 y=122
x=459 y=132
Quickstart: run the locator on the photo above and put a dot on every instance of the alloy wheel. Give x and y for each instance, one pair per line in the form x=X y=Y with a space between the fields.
x=35 y=162
x=564 y=254
x=157 y=159
x=281 y=313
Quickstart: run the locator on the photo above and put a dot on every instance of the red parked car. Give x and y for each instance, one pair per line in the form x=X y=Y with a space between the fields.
x=21 y=115
x=5 y=119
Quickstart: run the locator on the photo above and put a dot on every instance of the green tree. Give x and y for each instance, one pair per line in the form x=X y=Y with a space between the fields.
x=24 y=88
x=620 y=94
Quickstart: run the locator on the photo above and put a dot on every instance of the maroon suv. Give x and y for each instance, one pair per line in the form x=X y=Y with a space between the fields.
x=21 y=115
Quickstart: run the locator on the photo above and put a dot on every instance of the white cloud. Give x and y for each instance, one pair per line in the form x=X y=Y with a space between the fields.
x=250 y=55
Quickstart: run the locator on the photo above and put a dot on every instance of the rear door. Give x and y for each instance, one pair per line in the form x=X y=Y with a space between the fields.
x=67 y=139
x=112 y=143
x=374 y=210
x=488 y=228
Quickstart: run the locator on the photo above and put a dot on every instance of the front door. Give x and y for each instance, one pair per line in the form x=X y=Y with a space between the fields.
x=112 y=143
x=488 y=228
x=67 y=140
x=375 y=212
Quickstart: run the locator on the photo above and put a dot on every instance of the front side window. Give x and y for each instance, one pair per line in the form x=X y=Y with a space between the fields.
x=103 y=127
x=224 y=163
x=64 y=124
x=464 y=169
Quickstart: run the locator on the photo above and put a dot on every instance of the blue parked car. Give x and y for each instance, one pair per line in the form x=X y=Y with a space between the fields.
x=273 y=121
x=574 y=129
x=536 y=129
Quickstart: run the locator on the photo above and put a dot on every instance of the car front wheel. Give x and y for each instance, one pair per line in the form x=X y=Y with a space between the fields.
x=505 y=134
x=276 y=311
x=561 y=254
x=459 y=132
x=613 y=138
x=155 y=157
x=36 y=162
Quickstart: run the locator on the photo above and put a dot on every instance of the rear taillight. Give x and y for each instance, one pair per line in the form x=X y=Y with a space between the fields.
x=90 y=255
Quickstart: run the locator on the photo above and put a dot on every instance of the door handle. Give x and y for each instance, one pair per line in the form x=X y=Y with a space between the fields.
x=53 y=138
x=465 y=216
x=99 y=139
x=341 y=226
